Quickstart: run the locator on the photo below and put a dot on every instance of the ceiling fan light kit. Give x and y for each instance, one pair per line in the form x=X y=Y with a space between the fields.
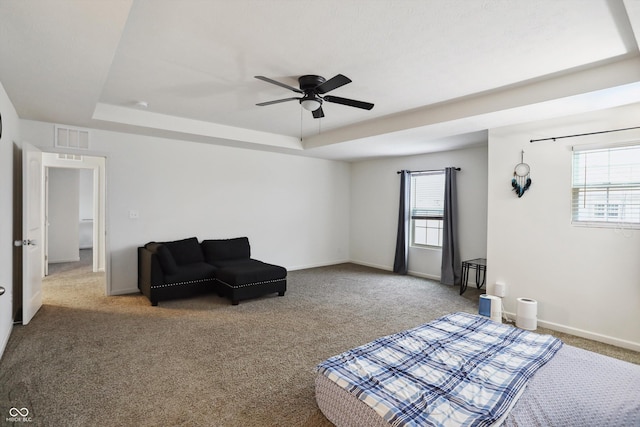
x=310 y=103
x=311 y=87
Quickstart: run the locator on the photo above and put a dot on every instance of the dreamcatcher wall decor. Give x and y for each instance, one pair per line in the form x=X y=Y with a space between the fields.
x=521 y=180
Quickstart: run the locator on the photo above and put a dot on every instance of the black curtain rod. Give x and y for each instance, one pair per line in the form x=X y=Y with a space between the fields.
x=582 y=134
x=428 y=170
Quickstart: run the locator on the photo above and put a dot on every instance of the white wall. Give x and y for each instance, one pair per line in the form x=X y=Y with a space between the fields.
x=10 y=133
x=86 y=194
x=64 y=217
x=86 y=208
x=586 y=280
x=375 y=189
x=295 y=210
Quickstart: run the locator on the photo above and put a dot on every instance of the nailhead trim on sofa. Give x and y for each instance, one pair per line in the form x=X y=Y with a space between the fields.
x=164 y=285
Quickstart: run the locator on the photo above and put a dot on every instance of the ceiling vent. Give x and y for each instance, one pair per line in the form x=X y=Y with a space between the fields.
x=67 y=137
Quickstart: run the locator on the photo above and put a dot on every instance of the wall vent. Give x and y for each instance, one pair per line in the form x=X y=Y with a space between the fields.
x=75 y=157
x=68 y=137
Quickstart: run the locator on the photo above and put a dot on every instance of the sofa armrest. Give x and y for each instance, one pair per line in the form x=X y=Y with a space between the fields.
x=149 y=271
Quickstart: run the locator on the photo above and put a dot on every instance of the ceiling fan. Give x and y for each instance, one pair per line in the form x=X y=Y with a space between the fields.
x=311 y=89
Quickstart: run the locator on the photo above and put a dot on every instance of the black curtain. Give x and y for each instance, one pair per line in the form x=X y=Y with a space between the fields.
x=451 y=266
x=401 y=262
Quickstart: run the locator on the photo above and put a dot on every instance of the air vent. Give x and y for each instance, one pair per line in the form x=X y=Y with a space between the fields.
x=67 y=137
x=75 y=157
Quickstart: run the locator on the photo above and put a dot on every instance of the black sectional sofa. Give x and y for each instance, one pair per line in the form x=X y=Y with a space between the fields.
x=183 y=268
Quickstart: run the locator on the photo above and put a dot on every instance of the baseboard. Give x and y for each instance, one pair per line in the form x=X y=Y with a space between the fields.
x=368 y=264
x=584 y=334
x=387 y=268
x=322 y=264
x=424 y=276
x=59 y=261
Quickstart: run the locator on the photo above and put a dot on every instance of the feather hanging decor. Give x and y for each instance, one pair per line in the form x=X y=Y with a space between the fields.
x=521 y=180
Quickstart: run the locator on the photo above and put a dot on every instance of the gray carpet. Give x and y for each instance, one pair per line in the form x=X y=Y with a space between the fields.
x=86 y=359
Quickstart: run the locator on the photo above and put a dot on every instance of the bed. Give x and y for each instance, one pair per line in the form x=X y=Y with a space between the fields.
x=463 y=369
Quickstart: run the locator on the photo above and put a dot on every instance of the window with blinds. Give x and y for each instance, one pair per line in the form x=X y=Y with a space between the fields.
x=606 y=187
x=427 y=208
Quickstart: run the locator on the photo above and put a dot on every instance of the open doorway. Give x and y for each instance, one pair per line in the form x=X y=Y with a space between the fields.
x=74 y=215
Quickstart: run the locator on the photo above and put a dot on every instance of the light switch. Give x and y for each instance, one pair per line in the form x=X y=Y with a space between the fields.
x=134 y=214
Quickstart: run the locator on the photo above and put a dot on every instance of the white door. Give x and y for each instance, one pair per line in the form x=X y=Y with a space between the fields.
x=6 y=319
x=45 y=213
x=6 y=235
x=31 y=231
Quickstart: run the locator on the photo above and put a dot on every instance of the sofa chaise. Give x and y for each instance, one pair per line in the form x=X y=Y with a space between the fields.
x=184 y=268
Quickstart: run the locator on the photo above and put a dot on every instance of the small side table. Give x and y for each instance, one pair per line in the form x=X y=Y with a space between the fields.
x=480 y=264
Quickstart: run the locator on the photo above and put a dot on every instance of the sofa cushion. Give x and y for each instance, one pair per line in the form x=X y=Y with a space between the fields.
x=167 y=262
x=194 y=272
x=185 y=251
x=226 y=249
x=234 y=263
x=250 y=271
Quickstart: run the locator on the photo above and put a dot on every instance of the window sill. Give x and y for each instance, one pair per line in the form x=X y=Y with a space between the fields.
x=606 y=225
x=426 y=247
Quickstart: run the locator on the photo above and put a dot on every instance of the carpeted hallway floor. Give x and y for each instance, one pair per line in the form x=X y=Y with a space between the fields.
x=86 y=359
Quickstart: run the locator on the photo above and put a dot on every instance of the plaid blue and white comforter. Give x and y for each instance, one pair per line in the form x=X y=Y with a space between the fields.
x=458 y=370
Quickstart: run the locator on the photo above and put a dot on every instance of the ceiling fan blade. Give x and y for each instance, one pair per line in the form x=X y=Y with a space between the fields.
x=268 y=80
x=277 y=101
x=349 y=102
x=317 y=114
x=332 y=83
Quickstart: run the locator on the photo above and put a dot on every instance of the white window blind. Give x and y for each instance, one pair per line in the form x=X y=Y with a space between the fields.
x=427 y=208
x=427 y=195
x=606 y=187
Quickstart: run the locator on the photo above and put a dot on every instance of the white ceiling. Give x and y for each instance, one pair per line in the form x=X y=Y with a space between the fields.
x=440 y=72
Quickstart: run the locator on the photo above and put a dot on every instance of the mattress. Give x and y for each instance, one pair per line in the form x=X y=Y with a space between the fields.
x=575 y=388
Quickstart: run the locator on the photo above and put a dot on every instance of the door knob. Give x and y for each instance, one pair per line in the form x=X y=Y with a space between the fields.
x=27 y=242
x=1 y=290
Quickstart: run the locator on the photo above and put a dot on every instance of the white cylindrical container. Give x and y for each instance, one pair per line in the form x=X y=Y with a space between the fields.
x=527 y=314
x=496 y=309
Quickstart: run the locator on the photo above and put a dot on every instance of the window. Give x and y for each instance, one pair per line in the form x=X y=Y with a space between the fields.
x=606 y=187
x=427 y=208
x=68 y=137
